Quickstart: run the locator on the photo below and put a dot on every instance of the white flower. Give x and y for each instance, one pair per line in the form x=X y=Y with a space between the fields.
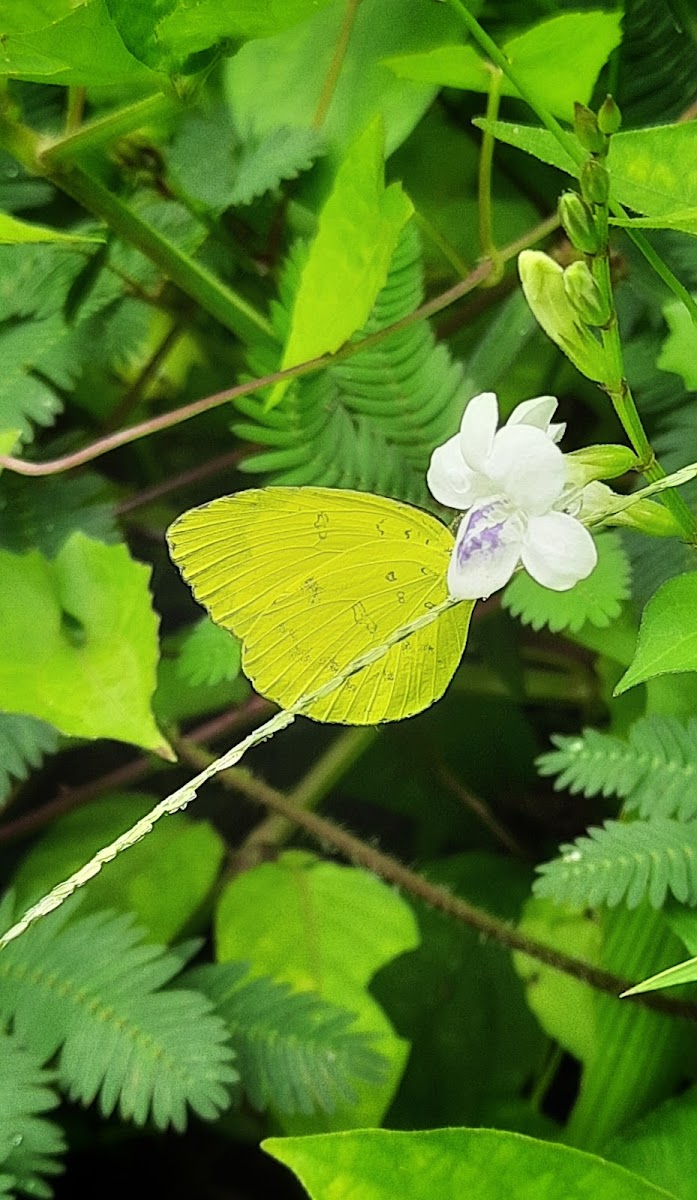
x=512 y=484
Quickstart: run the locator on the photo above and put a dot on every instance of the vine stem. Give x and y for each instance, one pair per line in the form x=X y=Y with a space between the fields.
x=486 y=163
x=336 y=63
x=168 y=420
x=393 y=871
x=183 y=796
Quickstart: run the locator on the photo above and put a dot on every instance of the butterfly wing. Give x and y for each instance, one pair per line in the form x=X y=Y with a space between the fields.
x=311 y=578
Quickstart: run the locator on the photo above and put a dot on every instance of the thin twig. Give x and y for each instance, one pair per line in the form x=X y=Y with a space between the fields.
x=336 y=63
x=481 y=811
x=257 y=709
x=390 y=869
x=183 y=479
x=168 y=420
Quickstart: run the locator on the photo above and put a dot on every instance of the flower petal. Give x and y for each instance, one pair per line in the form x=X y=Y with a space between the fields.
x=558 y=551
x=538 y=412
x=487 y=551
x=527 y=468
x=478 y=428
x=448 y=477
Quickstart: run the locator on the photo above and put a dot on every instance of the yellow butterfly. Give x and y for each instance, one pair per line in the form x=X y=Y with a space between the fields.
x=310 y=579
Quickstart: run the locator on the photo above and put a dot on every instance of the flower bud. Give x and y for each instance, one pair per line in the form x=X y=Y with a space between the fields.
x=595 y=182
x=599 y=462
x=543 y=284
x=587 y=131
x=585 y=295
x=609 y=117
x=647 y=516
x=578 y=222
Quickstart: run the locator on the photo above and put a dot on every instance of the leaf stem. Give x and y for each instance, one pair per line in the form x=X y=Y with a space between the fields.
x=486 y=163
x=337 y=61
x=75 y=110
x=168 y=420
x=103 y=130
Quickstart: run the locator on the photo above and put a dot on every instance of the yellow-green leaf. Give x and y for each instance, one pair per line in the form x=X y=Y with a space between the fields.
x=559 y=60
x=667 y=634
x=13 y=232
x=310 y=579
x=78 y=642
x=348 y=260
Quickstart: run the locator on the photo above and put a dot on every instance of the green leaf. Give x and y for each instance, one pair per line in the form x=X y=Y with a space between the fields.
x=624 y=862
x=208 y=655
x=426 y=992
x=597 y=599
x=284 y=153
x=26 y=397
x=348 y=260
x=89 y=988
x=667 y=634
x=450 y=1164
x=542 y=58
x=679 y=350
x=684 y=221
x=42 y=513
x=294 y=66
x=163 y=880
x=29 y=1143
x=565 y=1007
x=78 y=642
x=651 y=170
x=318 y=926
x=660 y=1147
x=654 y=772
x=76 y=45
x=374 y=419
x=23 y=743
x=13 y=231
x=293 y=1051
x=683 y=972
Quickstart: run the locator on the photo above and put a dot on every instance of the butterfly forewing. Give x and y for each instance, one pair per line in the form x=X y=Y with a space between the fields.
x=311 y=578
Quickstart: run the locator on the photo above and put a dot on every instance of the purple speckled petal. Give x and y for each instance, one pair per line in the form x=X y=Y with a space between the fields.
x=487 y=551
x=558 y=551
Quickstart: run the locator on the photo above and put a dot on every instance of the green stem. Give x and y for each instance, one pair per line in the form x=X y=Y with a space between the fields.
x=100 y=132
x=450 y=254
x=568 y=143
x=75 y=110
x=214 y=296
x=486 y=163
x=337 y=62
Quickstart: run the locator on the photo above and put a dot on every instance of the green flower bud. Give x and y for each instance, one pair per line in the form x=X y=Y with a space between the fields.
x=599 y=462
x=647 y=516
x=587 y=131
x=585 y=295
x=595 y=182
x=579 y=224
x=609 y=117
x=543 y=284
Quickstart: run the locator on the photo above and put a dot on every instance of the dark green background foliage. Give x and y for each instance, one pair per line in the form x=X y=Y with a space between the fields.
x=235 y=977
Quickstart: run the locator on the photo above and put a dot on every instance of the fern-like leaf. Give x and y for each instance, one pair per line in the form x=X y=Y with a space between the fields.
x=626 y=862
x=208 y=655
x=372 y=420
x=654 y=772
x=92 y=989
x=23 y=743
x=294 y=1050
x=30 y=1145
x=596 y=599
